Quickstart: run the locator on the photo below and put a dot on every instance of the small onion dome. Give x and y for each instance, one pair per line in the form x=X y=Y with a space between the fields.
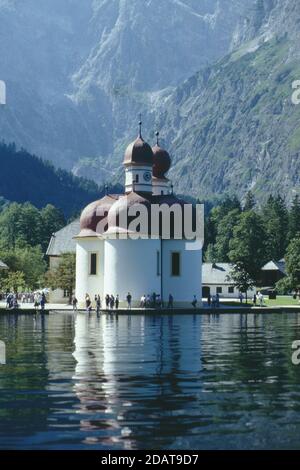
x=95 y=213
x=138 y=153
x=161 y=161
x=118 y=213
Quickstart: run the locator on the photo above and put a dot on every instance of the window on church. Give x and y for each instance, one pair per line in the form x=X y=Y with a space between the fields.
x=230 y=290
x=137 y=178
x=93 y=264
x=175 y=264
x=219 y=290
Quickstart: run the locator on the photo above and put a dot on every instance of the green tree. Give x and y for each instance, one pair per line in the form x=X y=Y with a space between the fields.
x=294 y=218
x=20 y=225
x=225 y=234
x=52 y=220
x=215 y=218
x=276 y=220
x=249 y=201
x=241 y=279
x=211 y=254
x=13 y=281
x=292 y=259
x=247 y=247
x=63 y=277
x=28 y=260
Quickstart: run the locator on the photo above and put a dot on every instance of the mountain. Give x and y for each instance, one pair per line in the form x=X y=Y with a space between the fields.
x=215 y=76
x=25 y=177
x=232 y=126
x=79 y=73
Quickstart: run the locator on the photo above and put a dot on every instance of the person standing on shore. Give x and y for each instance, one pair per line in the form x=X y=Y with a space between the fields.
x=98 y=304
x=74 y=304
x=117 y=301
x=36 y=301
x=88 y=303
x=129 y=298
x=43 y=301
x=171 y=301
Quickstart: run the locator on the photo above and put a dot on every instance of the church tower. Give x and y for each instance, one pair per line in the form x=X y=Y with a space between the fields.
x=138 y=162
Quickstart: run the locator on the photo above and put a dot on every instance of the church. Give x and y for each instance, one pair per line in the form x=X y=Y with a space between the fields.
x=114 y=259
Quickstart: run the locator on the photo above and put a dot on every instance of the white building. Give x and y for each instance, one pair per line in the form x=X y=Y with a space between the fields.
x=61 y=242
x=109 y=261
x=216 y=280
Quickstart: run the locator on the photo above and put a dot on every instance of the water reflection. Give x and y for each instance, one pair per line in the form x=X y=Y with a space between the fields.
x=127 y=382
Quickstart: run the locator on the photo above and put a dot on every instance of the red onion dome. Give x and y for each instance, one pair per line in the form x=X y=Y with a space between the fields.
x=138 y=153
x=161 y=162
x=95 y=213
x=119 y=212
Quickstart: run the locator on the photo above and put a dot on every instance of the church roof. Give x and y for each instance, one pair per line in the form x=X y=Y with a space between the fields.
x=114 y=205
x=138 y=153
x=63 y=240
x=161 y=161
x=94 y=213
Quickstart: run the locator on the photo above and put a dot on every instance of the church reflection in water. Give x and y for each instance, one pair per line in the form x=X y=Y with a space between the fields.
x=130 y=385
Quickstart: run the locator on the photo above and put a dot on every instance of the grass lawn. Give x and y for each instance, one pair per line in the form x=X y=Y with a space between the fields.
x=282 y=300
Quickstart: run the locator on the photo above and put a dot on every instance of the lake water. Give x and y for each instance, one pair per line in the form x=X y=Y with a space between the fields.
x=162 y=382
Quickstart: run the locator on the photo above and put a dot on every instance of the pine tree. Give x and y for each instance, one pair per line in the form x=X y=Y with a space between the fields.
x=247 y=247
x=294 y=218
x=276 y=220
x=249 y=201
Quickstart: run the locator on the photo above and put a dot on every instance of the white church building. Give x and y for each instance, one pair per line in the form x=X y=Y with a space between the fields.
x=111 y=260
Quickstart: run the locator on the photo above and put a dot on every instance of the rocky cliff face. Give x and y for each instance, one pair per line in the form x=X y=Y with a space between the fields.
x=233 y=127
x=78 y=73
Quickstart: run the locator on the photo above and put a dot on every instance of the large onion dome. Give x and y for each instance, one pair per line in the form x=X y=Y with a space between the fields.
x=118 y=217
x=95 y=213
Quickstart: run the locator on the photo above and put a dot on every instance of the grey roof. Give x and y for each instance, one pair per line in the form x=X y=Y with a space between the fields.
x=216 y=273
x=63 y=241
x=3 y=265
x=275 y=266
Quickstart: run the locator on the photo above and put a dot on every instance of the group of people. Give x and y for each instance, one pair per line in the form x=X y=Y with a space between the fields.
x=12 y=301
x=38 y=299
x=112 y=302
x=154 y=301
x=258 y=298
x=213 y=301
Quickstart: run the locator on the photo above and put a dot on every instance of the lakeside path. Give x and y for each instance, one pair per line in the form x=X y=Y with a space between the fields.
x=223 y=309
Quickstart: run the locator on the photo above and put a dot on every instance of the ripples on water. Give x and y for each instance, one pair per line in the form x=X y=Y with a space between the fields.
x=170 y=382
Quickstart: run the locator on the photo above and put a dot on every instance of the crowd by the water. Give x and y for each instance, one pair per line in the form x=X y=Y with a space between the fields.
x=112 y=302
x=16 y=300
